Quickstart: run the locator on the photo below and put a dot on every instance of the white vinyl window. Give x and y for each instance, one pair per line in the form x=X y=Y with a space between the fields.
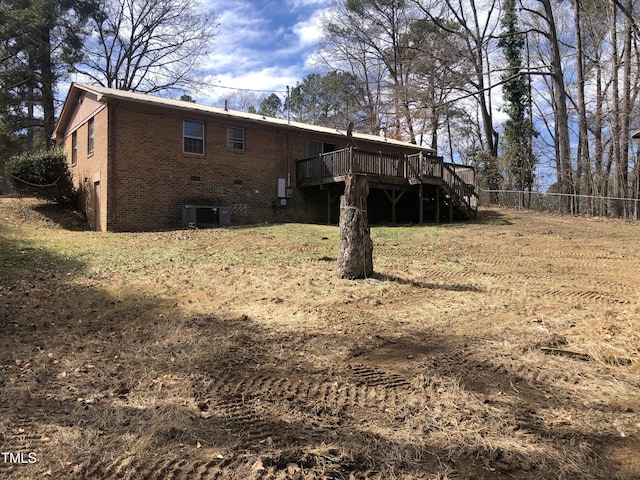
x=193 y=137
x=90 y=136
x=74 y=148
x=235 y=138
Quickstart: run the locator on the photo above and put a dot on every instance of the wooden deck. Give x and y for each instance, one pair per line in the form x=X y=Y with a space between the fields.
x=394 y=172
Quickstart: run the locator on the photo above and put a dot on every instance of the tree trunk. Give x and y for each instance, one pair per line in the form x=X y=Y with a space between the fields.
x=355 y=250
x=48 y=81
x=626 y=111
x=561 y=115
x=582 y=154
x=615 y=114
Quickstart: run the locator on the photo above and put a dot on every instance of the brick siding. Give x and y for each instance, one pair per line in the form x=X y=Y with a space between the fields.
x=148 y=179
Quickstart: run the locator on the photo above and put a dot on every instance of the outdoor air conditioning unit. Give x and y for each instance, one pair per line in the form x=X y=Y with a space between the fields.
x=202 y=216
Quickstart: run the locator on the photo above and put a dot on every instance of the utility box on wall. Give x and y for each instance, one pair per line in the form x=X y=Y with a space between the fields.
x=224 y=215
x=202 y=216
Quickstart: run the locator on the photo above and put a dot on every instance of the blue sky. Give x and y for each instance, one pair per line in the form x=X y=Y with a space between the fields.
x=263 y=45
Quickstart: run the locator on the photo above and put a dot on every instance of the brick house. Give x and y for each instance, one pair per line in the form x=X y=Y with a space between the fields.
x=138 y=160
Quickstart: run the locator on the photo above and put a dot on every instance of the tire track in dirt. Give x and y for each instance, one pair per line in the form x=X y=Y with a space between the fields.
x=603 y=287
x=129 y=467
x=374 y=377
x=250 y=408
x=316 y=405
x=250 y=422
x=582 y=295
x=23 y=436
x=363 y=387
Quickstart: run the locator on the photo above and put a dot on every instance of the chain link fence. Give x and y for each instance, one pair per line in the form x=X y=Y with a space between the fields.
x=611 y=207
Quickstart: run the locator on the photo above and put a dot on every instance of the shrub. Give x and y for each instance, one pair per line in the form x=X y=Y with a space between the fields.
x=44 y=175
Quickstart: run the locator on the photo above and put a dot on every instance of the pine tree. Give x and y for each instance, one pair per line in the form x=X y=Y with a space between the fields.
x=39 y=41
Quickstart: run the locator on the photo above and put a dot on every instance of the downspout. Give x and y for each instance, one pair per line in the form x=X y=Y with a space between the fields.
x=112 y=215
x=288 y=101
x=288 y=162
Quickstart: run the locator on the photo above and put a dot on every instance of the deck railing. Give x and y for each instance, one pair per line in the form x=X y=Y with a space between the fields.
x=459 y=188
x=341 y=162
x=421 y=166
x=458 y=180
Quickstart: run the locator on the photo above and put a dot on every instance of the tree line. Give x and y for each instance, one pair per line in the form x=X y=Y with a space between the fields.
x=514 y=87
x=530 y=92
x=147 y=46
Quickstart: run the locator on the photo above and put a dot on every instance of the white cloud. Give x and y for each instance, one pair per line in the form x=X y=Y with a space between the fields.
x=304 y=4
x=309 y=31
x=262 y=82
x=263 y=45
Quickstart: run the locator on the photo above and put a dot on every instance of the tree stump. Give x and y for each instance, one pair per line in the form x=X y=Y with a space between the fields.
x=355 y=249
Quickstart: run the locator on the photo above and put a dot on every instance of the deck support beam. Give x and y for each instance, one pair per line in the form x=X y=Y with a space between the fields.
x=395 y=174
x=394 y=199
x=330 y=199
x=328 y=206
x=420 y=204
x=450 y=209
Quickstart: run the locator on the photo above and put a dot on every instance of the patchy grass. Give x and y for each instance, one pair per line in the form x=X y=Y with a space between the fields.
x=505 y=347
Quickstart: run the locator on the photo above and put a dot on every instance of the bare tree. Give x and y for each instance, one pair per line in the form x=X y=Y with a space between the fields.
x=148 y=45
x=623 y=116
x=356 y=59
x=555 y=74
x=440 y=71
x=475 y=23
x=373 y=34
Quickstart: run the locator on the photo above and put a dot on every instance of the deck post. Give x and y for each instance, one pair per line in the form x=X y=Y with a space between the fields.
x=438 y=204
x=450 y=209
x=351 y=160
x=394 y=199
x=393 y=208
x=328 y=206
x=420 y=204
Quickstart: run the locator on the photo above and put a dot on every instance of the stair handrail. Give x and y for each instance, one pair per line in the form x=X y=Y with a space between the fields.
x=462 y=191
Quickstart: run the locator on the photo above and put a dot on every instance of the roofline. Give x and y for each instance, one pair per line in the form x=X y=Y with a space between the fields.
x=104 y=94
x=67 y=110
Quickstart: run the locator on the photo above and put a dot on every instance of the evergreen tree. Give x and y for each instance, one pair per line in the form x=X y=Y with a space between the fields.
x=271 y=106
x=39 y=42
x=330 y=100
x=518 y=129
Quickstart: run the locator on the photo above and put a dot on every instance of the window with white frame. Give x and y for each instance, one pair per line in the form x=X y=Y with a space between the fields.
x=90 y=136
x=235 y=138
x=193 y=137
x=74 y=148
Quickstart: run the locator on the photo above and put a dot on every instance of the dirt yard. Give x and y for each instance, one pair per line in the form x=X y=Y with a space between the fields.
x=507 y=347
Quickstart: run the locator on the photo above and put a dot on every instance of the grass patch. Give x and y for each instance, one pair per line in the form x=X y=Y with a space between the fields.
x=238 y=352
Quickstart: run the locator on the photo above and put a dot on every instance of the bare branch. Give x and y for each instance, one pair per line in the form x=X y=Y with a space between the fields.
x=148 y=45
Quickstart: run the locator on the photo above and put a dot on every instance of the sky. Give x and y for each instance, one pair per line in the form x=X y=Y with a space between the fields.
x=262 y=46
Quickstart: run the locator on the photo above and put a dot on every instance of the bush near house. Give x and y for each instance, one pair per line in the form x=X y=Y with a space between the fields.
x=44 y=175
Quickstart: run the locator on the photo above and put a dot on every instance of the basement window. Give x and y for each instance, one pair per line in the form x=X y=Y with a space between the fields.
x=193 y=137
x=235 y=138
